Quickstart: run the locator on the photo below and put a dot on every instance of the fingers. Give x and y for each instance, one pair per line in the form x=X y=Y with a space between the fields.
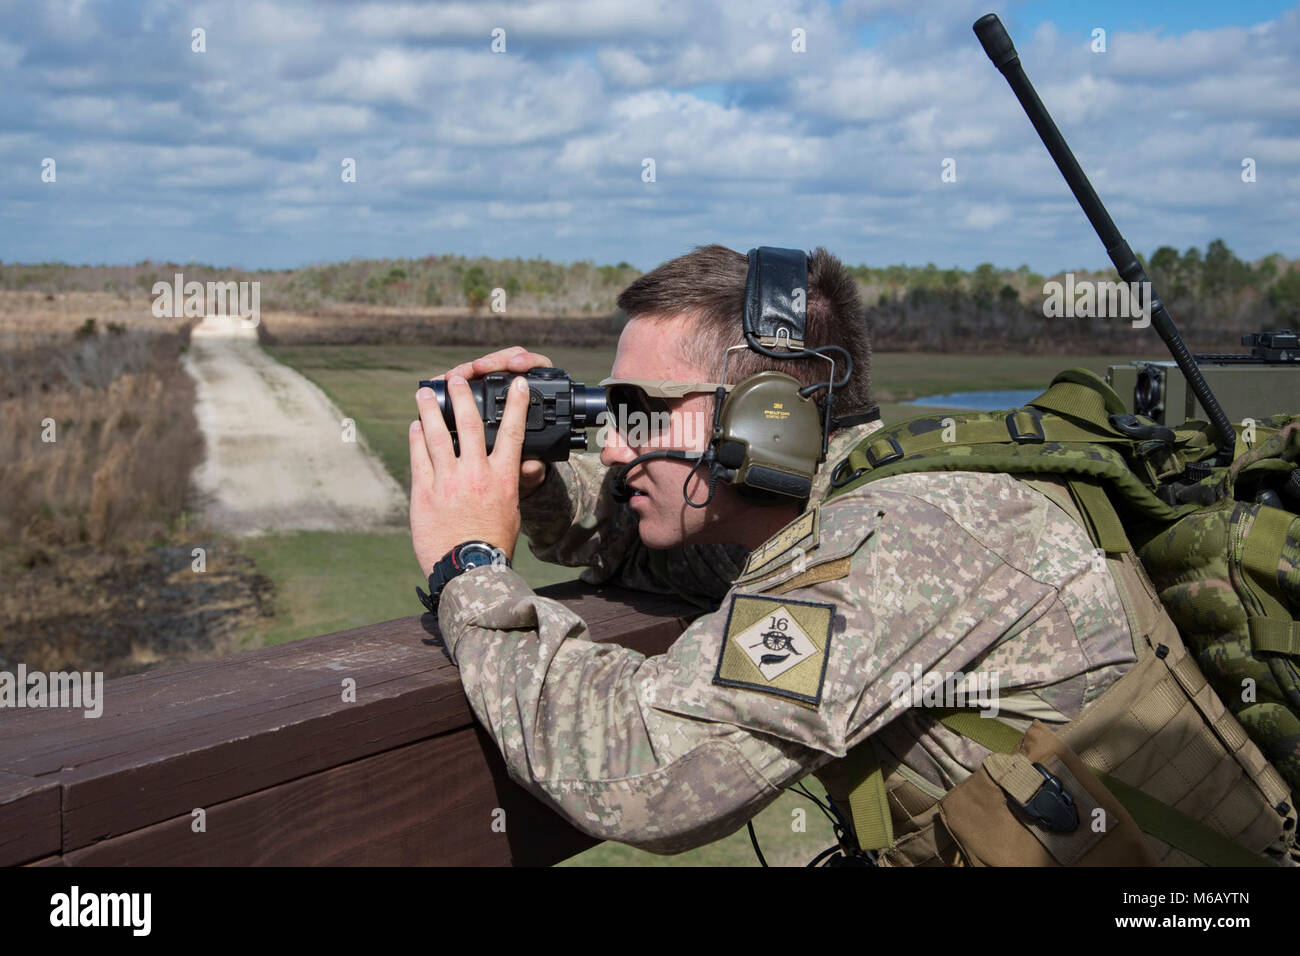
x=469 y=421
x=513 y=359
x=421 y=464
x=495 y=362
x=510 y=433
x=517 y=360
x=437 y=439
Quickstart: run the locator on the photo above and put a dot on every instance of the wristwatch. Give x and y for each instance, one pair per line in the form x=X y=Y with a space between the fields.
x=471 y=554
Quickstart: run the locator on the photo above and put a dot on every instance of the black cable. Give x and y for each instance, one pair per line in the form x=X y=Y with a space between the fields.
x=754 y=840
x=714 y=475
x=799 y=788
x=846 y=845
x=823 y=855
x=752 y=341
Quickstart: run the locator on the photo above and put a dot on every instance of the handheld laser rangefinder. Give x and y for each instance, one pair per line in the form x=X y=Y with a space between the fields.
x=560 y=410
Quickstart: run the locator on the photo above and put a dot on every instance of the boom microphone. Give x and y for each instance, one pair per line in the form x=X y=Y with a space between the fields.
x=619 y=490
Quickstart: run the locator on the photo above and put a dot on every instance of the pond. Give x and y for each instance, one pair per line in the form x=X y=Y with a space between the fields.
x=980 y=401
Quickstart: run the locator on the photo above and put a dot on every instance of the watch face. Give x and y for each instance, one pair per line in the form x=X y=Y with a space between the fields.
x=475 y=559
x=475 y=555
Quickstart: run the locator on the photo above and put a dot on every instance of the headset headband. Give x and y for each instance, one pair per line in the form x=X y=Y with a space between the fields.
x=776 y=296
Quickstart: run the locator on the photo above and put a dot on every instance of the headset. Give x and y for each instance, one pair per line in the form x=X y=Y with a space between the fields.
x=768 y=434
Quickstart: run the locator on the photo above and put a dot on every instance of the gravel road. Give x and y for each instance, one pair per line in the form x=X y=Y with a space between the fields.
x=277 y=454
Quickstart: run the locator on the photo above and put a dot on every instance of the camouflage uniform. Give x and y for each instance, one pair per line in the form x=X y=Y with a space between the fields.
x=936 y=572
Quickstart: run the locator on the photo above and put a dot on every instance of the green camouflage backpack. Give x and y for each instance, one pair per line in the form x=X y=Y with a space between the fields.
x=1219 y=543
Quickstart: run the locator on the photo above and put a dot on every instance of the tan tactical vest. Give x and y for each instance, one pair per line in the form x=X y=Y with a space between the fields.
x=1159 y=733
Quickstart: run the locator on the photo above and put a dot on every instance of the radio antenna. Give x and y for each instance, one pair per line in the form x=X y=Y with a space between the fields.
x=997 y=44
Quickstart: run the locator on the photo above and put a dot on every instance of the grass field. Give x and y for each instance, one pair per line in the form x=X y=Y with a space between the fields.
x=375 y=384
x=329 y=581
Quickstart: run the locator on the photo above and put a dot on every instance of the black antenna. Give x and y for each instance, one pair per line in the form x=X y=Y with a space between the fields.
x=997 y=44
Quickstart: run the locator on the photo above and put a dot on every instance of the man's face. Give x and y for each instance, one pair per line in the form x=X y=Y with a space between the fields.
x=651 y=349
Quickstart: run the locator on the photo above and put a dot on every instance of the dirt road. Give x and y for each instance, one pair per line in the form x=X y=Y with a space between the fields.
x=278 y=454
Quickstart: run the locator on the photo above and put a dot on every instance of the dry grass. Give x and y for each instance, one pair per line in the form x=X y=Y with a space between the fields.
x=351 y=324
x=119 y=409
x=95 y=542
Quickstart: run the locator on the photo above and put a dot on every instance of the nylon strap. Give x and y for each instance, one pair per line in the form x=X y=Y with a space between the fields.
x=1180 y=831
x=992 y=428
x=1076 y=401
x=868 y=801
x=1104 y=526
x=1279 y=637
x=1261 y=556
x=1086 y=460
x=1015 y=774
x=988 y=732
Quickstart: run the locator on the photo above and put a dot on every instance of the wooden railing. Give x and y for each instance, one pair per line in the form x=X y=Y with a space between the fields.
x=264 y=757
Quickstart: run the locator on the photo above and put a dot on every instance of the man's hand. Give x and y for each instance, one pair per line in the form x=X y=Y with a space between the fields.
x=514 y=359
x=471 y=497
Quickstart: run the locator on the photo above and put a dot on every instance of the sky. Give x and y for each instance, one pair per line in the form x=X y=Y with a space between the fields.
x=237 y=154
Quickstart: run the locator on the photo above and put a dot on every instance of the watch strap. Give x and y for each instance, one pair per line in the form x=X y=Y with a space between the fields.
x=448 y=567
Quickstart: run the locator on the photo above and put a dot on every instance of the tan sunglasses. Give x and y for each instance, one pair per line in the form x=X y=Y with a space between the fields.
x=645 y=396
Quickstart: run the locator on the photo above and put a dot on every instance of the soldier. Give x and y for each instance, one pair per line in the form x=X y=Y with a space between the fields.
x=822 y=617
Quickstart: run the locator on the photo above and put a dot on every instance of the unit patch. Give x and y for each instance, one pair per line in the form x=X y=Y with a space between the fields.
x=777 y=647
x=780 y=548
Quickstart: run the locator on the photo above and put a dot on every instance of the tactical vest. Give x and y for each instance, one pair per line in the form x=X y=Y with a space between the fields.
x=1157 y=770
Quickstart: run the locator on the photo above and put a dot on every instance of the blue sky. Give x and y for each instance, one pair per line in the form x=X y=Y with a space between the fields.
x=233 y=155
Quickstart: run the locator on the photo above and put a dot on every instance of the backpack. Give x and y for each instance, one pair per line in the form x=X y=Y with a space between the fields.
x=1218 y=543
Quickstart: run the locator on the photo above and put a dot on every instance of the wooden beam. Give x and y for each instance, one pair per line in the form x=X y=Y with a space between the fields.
x=233 y=736
x=30 y=823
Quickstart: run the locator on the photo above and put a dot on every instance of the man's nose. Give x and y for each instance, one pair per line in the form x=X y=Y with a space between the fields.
x=614 y=449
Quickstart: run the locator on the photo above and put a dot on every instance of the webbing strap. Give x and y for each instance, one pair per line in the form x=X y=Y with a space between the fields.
x=1261 y=555
x=1180 y=831
x=1015 y=774
x=1076 y=401
x=993 y=429
x=1104 y=526
x=1089 y=461
x=988 y=732
x=868 y=802
x=1269 y=634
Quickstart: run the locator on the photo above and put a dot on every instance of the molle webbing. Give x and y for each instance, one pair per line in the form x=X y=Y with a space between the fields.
x=1174 y=756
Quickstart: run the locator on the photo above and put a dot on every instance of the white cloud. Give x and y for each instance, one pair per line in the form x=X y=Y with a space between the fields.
x=838 y=146
x=981 y=216
x=305 y=123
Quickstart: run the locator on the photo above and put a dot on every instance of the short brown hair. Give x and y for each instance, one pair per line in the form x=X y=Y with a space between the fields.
x=709 y=282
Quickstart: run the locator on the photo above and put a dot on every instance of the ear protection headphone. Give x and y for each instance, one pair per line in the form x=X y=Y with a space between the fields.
x=768 y=435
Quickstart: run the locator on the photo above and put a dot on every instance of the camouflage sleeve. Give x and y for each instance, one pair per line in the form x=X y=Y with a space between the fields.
x=677 y=750
x=572 y=519
x=577 y=725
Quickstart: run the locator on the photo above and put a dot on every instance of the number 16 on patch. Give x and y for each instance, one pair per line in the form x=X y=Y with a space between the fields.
x=777 y=647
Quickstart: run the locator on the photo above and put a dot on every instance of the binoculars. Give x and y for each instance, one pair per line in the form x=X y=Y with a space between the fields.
x=560 y=410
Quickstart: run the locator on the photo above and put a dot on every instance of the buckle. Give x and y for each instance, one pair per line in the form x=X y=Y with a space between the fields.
x=839 y=479
x=1052 y=806
x=1035 y=418
x=430 y=603
x=1143 y=429
x=895 y=453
